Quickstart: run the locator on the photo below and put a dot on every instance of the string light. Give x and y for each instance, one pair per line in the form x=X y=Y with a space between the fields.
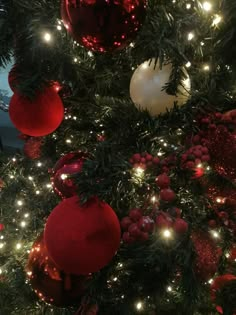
x=215 y=234
x=1 y=271
x=47 y=37
x=1 y=245
x=90 y=54
x=139 y=306
x=75 y=59
x=190 y=36
x=18 y=246
x=39 y=164
x=139 y=171
x=23 y=224
x=26 y=215
x=210 y=281
x=63 y=176
x=49 y=185
x=11 y=177
x=206 y=67
x=167 y=234
x=14 y=159
x=20 y=203
x=188 y=64
x=68 y=141
x=169 y=288
x=59 y=27
x=217 y=20
x=37 y=192
x=154 y=199
x=207 y=6
x=188 y=6
x=30 y=178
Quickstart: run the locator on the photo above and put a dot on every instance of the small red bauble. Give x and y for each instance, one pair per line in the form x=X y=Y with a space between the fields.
x=82 y=239
x=163 y=221
x=48 y=282
x=163 y=181
x=207 y=256
x=38 y=117
x=2 y=227
x=135 y=214
x=146 y=224
x=32 y=148
x=103 y=25
x=167 y=194
x=180 y=226
x=126 y=222
x=65 y=168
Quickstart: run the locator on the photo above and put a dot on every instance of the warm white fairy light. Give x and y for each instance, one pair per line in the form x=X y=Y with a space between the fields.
x=153 y=199
x=14 y=159
x=219 y=200
x=207 y=6
x=188 y=6
x=30 y=178
x=1 y=271
x=1 y=245
x=115 y=279
x=11 y=176
x=37 y=192
x=215 y=234
x=59 y=27
x=167 y=234
x=47 y=37
x=169 y=288
x=39 y=164
x=90 y=54
x=206 y=67
x=19 y=202
x=227 y=255
x=199 y=165
x=26 y=215
x=217 y=20
x=63 y=176
x=188 y=64
x=210 y=281
x=75 y=59
x=68 y=141
x=202 y=43
x=139 y=171
x=2 y=237
x=120 y=265
x=49 y=185
x=190 y=36
x=139 y=306
x=23 y=224
x=159 y=153
x=131 y=45
x=18 y=246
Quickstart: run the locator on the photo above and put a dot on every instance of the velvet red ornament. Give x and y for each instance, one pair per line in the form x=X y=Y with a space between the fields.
x=207 y=255
x=38 y=117
x=65 y=168
x=163 y=181
x=102 y=25
x=32 y=148
x=82 y=239
x=180 y=226
x=48 y=282
x=167 y=195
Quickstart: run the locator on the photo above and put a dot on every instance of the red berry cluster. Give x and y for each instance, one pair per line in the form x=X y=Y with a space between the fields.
x=165 y=221
x=194 y=156
x=166 y=193
x=136 y=226
x=144 y=160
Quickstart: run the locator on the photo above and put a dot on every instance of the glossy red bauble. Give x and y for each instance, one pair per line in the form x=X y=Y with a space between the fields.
x=103 y=25
x=62 y=179
x=82 y=239
x=38 y=117
x=48 y=282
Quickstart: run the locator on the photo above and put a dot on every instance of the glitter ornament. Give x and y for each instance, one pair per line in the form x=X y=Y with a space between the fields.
x=207 y=256
x=50 y=283
x=146 y=88
x=63 y=172
x=32 y=148
x=102 y=25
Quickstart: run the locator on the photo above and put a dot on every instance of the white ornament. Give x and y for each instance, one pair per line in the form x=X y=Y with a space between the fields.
x=146 y=88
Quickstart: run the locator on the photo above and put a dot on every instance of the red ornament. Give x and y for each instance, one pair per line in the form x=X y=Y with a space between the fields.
x=163 y=220
x=180 y=226
x=219 y=284
x=207 y=256
x=102 y=25
x=62 y=179
x=38 y=117
x=167 y=195
x=146 y=224
x=82 y=239
x=2 y=227
x=48 y=282
x=135 y=214
x=32 y=148
x=163 y=181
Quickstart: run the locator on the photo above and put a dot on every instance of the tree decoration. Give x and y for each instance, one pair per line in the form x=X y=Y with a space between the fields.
x=38 y=117
x=207 y=256
x=82 y=239
x=2 y=226
x=32 y=148
x=194 y=156
x=144 y=160
x=12 y=78
x=146 y=88
x=217 y=285
x=50 y=283
x=62 y=175
x=103 y=25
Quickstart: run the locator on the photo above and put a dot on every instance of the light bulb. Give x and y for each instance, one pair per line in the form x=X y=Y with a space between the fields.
x=18 y=246
x=190 y=36
x=47 y=37
x=19 y=202
x=167 y=234
x=139 y=306
x=207 y=6
x=188 y=64
x=217 y=20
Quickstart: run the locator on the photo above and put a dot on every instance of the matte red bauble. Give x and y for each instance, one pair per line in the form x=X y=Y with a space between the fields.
x=38 y=117
x=82 y=239
x=207 y=256
x=103 y=25
x=62 y=179
x=48 y=282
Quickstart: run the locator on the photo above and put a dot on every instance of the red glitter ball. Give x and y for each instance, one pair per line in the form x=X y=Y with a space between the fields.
x=207 y=255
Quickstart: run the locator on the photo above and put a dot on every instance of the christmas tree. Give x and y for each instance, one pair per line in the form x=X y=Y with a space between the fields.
x=123 y=200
